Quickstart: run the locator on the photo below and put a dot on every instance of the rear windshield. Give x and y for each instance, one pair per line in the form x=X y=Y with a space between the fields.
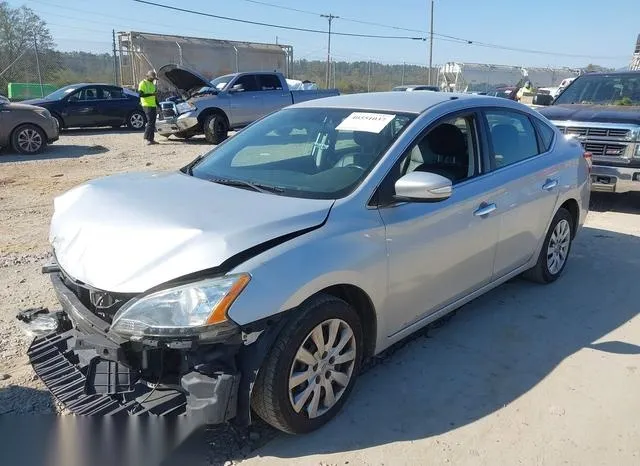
x=314 y=153
x=603 y=90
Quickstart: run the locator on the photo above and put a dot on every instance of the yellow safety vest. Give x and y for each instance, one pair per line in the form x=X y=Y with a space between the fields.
x=147 y=87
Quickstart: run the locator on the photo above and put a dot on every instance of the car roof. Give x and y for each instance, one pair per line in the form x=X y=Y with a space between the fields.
x=402 y=102
x=611 y=73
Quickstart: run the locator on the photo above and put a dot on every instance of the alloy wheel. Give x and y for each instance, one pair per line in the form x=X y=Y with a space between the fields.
x=29 y=140
x=137 y=121
x=322 y=368
x=558 y=247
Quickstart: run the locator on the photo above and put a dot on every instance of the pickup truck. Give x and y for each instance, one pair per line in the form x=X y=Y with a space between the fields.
x=602 y=111
x=227 y=103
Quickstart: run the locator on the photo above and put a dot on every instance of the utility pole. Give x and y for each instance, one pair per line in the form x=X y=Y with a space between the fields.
x=369 y=78
x=402 y=83
x=115 y=59
x=35 y=46
x=431 y=44
x=330 y=17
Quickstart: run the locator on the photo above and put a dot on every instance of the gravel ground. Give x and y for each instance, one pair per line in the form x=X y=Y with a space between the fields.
x=524 y=375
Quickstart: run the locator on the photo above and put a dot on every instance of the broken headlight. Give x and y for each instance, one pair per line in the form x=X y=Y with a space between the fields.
x=195 y=309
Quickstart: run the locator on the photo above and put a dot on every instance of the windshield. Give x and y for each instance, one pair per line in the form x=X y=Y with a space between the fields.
x=602 y=89
x=60 y=93
x=305 y=152
x=221 y=82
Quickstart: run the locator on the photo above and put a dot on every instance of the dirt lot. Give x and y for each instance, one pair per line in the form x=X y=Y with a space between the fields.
x=527 y=374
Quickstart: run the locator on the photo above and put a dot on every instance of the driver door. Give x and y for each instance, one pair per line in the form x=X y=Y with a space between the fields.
x=439 y=252
x=245 y=101
x=81 y=108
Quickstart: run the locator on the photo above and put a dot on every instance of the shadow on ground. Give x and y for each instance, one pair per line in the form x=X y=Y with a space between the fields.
x=627 y=203
x=55 y=151
x=496 y=349
x=17 y=400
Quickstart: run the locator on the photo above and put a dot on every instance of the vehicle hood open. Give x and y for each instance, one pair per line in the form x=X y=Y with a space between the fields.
x=182 y=78
x=128 y=233
x=593 y=113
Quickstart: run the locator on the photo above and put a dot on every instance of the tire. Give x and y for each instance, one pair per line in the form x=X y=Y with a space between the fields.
x=215 y=129
x=544 y=271
x=136 y=120
x=271 y=398
x=28 y=139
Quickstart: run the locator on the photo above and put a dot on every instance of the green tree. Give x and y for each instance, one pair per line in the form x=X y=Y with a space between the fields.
x=20 y=30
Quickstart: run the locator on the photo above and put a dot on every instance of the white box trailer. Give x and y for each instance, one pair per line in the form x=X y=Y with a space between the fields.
x=141 y=51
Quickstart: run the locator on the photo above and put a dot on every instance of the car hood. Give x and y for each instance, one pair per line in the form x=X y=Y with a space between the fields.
x=183 y=78
x=22 y=106
x=36 y=102
x=593 y=113
x=128 y=233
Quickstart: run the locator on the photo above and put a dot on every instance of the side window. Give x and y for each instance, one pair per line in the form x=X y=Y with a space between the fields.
x=269 y=82
x=513 y=137
x=87 y=93
x=110 y=93
x=248 y=82
x=448 y=149
x=546 y=134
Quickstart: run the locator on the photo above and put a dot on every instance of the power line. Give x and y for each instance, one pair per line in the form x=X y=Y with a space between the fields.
x=277 y=26
x=351 y=20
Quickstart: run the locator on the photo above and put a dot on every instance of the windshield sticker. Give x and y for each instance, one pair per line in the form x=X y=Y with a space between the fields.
x=368 y=122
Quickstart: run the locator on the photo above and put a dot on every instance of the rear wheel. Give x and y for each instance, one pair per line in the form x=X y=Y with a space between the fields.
x=215 y=129
x=312 y=367
x=136 y=120
x=555 y=249
x=28 y=139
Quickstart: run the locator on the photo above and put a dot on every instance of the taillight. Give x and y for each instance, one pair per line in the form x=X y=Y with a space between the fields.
x=588 y=156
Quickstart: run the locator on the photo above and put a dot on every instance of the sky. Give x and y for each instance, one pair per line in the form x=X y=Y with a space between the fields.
x=571 y=32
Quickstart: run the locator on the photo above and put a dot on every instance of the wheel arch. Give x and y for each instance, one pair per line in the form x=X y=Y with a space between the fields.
x=26 y=123
x=571 y=205
x=211 y=111
x=57 y=115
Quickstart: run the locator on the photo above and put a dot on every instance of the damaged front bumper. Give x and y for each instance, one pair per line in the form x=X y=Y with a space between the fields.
x=92 y=371
x=172 y=123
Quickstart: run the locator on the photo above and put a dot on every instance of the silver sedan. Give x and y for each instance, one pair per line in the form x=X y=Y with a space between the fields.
x=263 y=274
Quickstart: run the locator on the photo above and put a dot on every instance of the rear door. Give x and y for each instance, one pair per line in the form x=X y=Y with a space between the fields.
x=246 y=102
x=528 y=174
x=274 y=95
x=114 y=106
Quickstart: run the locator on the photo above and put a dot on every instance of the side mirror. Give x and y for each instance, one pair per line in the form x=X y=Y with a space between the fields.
x=237 y=88
x=423 y=187
x=542 y=99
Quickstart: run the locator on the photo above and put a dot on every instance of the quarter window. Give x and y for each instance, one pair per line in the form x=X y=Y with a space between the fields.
x=513 y=137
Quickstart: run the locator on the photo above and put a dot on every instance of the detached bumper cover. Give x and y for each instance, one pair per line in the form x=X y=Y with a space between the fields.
x=85 y=369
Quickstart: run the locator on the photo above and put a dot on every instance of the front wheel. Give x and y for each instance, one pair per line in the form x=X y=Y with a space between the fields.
x=28 y=139
x=311 y=368
x=555 y=249
x=215 y=129
x=136 y=120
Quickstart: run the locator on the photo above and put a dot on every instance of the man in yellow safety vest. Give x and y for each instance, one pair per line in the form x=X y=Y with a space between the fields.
x=147 y=91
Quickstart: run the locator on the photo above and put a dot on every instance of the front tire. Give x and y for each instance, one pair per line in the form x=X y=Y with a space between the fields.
x=555 y=249
x=136 y=120
x=28 y=139
x=312 y=367
x=215 y=129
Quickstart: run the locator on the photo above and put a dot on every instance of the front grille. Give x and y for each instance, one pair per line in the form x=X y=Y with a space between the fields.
x=595 y=132
x=598 y=149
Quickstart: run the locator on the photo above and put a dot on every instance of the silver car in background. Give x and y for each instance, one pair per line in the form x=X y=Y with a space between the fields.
x=262 y=275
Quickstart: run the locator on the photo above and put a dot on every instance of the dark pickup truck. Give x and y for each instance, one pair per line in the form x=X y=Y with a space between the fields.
x=602 y=110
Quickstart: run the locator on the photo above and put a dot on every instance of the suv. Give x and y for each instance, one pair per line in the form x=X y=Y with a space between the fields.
x=26 y=128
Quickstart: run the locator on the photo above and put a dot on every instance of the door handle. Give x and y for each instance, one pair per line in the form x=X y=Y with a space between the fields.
x=485 y=209
x=549 y=185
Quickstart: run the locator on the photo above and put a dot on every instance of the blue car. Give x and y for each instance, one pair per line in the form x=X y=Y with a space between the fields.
x=93 y=105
